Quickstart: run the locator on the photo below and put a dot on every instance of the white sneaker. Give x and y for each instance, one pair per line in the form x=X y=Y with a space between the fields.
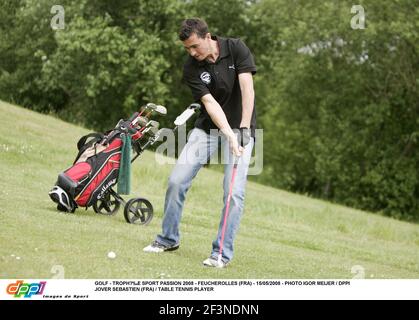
x=157 y=247
x=213 y=262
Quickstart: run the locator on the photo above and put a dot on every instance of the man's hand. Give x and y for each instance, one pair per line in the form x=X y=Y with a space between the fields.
x=218 y=117
x=235 y=148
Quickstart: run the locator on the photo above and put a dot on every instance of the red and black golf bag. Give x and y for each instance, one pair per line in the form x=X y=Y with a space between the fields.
x=86 y=181
x=104 y=159
x=94 y=171
x=97 y=166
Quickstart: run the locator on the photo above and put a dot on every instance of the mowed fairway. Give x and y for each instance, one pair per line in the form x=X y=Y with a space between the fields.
x=282 y=235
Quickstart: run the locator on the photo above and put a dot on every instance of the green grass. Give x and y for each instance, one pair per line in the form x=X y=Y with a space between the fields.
x=282 y=235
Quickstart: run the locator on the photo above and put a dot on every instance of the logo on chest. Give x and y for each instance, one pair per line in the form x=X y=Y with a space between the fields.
x=205 y=77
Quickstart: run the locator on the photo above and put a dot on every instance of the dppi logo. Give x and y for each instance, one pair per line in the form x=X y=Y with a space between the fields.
x=20 y=288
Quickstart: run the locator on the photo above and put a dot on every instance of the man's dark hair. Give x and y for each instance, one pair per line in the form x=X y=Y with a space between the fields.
x=193 y=25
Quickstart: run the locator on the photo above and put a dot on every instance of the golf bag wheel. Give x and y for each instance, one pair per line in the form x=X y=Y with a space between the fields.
x=138 y=211
x=108 y=205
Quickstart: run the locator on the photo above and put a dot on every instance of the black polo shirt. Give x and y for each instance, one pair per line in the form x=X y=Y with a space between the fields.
x=220 y=79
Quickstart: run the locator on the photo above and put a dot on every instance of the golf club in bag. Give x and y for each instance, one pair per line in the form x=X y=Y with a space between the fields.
x=179 y=121
x=89 y=181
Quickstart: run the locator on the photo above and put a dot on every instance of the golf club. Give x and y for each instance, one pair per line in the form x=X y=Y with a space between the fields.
x=180 y=120
x=156 y=108
x=151 y=127
x=140 y=121
x=230 y=192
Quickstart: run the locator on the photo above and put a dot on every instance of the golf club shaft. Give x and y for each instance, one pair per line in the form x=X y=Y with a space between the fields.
x=227 y=210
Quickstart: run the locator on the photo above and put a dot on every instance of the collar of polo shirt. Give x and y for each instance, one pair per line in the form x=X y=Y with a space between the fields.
x=222 y=44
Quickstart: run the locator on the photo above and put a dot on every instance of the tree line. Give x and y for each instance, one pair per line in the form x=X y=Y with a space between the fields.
x=338 y=105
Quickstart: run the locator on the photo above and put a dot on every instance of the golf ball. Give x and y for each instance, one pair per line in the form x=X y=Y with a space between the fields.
x=111 y=255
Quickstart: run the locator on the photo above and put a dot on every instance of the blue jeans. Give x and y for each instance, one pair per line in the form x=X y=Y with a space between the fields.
x=197 y=151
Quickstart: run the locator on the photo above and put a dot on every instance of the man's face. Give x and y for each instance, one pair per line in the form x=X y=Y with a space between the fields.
x=198 y=48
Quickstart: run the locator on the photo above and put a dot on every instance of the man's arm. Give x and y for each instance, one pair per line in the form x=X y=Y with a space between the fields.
x=248 y=98
x=217 y=116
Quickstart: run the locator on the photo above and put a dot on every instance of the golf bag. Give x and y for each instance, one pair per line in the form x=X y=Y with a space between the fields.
x=97 y=165
x=93 y=172
x=104 y=159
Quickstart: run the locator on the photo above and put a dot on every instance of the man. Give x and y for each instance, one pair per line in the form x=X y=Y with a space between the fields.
x=219 y=73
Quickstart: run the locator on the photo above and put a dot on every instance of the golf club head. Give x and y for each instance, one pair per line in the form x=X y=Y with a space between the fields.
x=141 y=121
x=150 y=106
x=153 y=127
x=154 y=124
x=151 y=131
x=161 y=110
x=156 y=108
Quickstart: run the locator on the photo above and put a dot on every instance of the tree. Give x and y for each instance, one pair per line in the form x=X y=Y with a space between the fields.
x=340 y=104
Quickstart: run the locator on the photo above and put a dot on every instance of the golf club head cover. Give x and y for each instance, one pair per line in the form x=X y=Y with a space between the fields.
x=244 y=136
x=180 y=120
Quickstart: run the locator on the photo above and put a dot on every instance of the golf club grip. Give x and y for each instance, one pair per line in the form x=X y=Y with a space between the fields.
x=236 y=161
